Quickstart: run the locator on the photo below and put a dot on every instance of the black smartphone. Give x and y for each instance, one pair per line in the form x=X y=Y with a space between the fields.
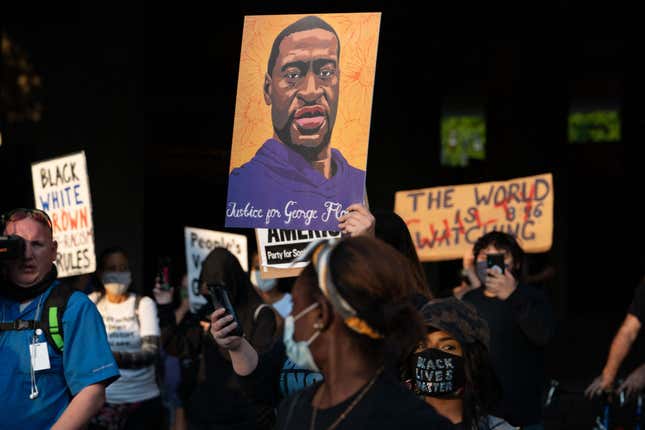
x=495 y=260
x=163 y=272
x=220 y=299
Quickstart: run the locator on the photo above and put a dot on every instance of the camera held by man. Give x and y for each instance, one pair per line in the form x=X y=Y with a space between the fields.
x=11 y=247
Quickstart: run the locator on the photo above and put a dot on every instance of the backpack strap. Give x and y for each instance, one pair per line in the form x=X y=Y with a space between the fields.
x=51 y=318
x=256 y=314
x=19 y=325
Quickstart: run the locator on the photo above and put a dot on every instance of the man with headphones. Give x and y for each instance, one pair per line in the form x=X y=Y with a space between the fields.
x=57 y=384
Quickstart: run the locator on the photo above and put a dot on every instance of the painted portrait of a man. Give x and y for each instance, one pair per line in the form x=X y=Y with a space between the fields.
x=297 y=178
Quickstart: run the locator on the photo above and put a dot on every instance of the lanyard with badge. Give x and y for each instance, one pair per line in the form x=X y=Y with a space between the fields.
x=38 y=353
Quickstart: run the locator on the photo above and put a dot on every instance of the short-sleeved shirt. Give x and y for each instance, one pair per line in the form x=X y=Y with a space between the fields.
x=126 y=326
x=637 y=307
x=86 y=360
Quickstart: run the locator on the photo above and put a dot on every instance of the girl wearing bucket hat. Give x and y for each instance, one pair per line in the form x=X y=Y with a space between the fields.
x=451 y=370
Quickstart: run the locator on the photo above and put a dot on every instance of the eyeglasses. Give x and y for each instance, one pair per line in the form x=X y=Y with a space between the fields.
x=22 y=213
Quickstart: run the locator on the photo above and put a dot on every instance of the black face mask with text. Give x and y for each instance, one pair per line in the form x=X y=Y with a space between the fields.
x=439 y=374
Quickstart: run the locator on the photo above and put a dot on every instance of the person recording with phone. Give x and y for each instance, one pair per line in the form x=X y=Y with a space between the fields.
x=489 y=270
x=521 y=324
x=210 y=391
x=273 y=375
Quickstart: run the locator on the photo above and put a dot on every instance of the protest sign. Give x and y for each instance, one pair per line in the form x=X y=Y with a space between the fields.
x=288 y=170
x=199 y=243
x=445 y=222
x=62 y=189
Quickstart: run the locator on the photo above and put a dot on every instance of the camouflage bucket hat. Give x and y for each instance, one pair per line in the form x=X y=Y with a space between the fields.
x=458 y=318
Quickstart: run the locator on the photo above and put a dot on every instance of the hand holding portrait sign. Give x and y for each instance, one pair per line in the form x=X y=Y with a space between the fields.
x=278 y=249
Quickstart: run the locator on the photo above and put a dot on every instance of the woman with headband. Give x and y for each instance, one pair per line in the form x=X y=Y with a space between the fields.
x=351 y=321
x=272 y=375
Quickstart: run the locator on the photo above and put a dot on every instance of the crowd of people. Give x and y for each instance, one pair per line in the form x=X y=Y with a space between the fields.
x=355 y=341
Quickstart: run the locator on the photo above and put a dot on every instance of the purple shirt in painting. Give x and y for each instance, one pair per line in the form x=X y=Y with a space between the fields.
x=279 y=178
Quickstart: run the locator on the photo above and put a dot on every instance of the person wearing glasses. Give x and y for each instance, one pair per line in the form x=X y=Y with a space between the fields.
x=41 y=387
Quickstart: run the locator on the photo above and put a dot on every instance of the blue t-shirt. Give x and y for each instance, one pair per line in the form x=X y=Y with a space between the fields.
x=86 y=360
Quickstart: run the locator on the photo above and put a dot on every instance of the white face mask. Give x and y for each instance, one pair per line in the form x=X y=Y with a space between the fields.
x=117 y=283
x=299 y=352
x=262 y=284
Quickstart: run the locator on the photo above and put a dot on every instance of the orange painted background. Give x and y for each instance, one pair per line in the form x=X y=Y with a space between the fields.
x=358 y=33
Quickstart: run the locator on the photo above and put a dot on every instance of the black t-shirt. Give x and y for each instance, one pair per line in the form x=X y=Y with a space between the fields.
x=637 y=307
x=276 y=377
x=387 y=405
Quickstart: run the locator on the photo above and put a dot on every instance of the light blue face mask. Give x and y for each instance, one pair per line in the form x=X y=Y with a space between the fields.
x=299 y=352
x=262 y=284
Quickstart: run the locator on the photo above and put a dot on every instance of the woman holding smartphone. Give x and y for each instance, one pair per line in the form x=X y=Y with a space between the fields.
x=209 y=390
x=273 y=375
x=352 y=321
